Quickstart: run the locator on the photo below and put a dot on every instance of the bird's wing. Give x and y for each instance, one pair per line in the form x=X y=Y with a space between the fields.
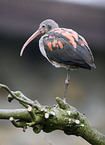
x=67 y=47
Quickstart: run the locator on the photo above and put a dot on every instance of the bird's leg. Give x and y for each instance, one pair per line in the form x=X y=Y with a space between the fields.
x=66 y=85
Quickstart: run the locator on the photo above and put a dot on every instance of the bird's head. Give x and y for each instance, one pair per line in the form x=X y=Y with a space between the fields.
x=44 y=27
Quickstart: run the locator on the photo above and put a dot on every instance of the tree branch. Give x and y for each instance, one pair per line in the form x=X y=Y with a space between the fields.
x=61 y=117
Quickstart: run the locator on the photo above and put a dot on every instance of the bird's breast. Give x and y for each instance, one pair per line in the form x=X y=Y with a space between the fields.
x=41 y=47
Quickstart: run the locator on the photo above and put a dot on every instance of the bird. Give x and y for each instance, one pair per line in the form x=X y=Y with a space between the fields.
x=62 y=47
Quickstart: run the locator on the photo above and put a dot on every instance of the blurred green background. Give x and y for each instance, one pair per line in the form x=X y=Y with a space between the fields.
x=35 y=77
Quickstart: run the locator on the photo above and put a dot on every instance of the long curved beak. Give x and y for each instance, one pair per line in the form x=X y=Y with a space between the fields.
x=29 y=40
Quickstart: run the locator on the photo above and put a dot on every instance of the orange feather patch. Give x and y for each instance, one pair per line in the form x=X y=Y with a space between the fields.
x=69 y=34
x=49 y=45
x=54 y=43
x=70 y=37
x=60 y=44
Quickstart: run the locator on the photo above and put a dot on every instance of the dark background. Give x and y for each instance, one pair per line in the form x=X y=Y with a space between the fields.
x=33 y=75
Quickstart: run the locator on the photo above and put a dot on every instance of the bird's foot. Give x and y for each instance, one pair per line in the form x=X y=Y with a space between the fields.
x=64 y=100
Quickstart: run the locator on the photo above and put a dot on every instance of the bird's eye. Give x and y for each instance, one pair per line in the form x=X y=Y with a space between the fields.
x=43 y=26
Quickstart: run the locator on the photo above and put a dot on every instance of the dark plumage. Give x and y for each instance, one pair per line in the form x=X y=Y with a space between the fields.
x=81 y=56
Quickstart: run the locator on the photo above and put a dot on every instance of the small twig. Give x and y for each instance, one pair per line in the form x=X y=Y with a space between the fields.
x=19 y=124
x=32 y=113
x=37 y=128
x=17 y=98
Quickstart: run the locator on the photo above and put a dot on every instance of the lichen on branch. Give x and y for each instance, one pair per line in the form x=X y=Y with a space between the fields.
x=60 y=117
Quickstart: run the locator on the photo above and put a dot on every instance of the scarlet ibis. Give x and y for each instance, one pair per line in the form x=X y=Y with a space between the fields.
x=62 y=47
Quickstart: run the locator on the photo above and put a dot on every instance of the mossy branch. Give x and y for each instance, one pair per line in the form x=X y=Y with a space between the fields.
x=61 y=117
